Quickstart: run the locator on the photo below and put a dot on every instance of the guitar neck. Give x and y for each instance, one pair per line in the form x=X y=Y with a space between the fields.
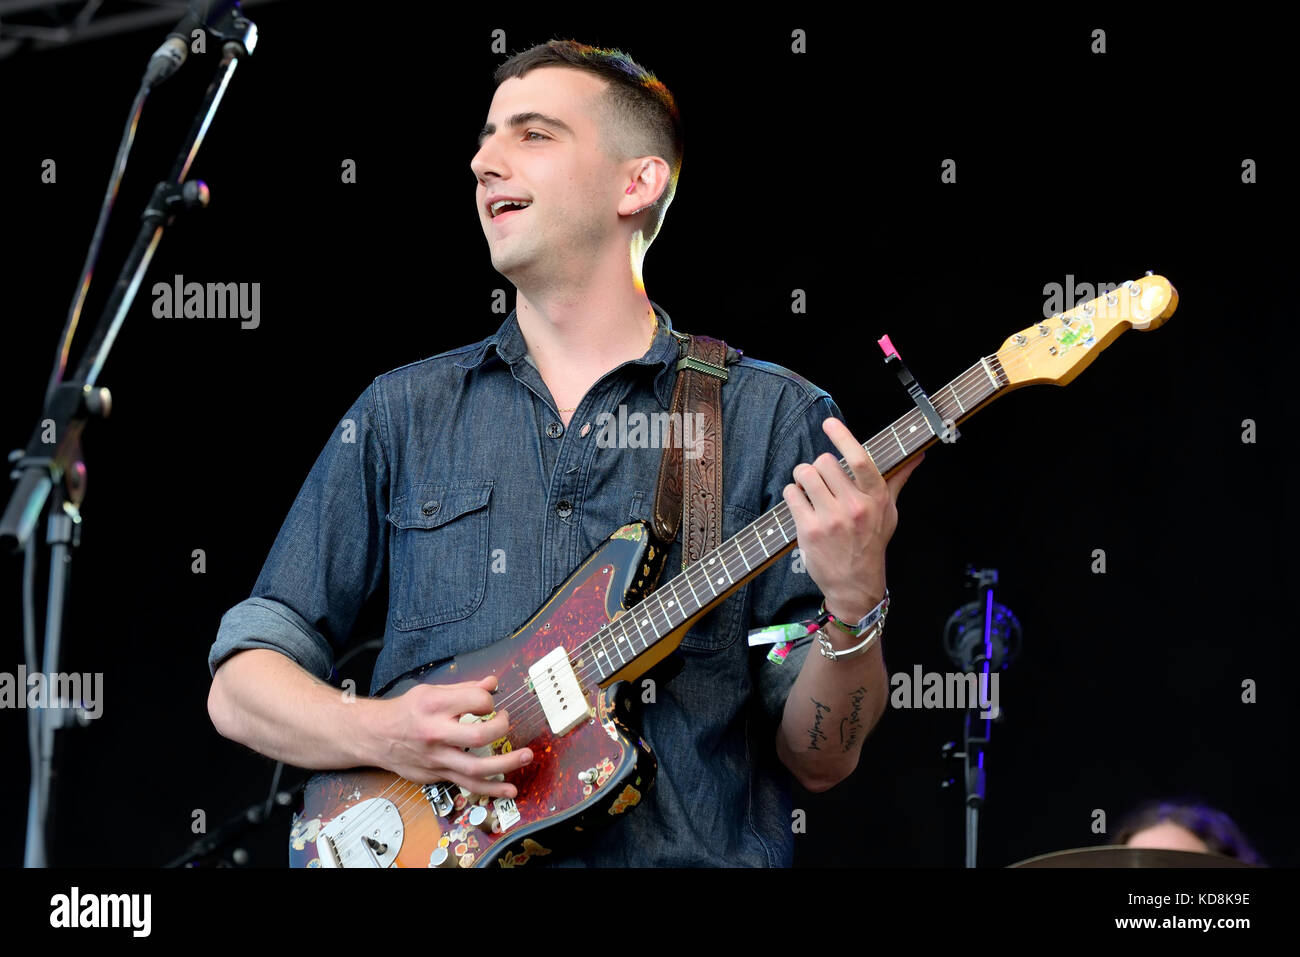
x=706 y=582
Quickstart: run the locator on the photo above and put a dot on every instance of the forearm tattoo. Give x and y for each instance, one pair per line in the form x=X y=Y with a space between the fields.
x=815 y=733
x=851 y=725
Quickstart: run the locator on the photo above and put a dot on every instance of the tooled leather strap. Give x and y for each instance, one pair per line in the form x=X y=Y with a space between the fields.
x=697 y=408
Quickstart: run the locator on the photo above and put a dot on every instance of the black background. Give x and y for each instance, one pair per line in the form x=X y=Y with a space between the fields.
x=817 y=172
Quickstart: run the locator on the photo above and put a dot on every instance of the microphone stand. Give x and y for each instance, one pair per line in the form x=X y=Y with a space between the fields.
x=57 y=476
x=992 y=640
x=974 y=745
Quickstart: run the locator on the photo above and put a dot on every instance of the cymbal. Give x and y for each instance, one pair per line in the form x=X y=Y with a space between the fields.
x=1119 y=855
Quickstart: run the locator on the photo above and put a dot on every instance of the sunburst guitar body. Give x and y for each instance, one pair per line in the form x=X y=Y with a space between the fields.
x=577 y=781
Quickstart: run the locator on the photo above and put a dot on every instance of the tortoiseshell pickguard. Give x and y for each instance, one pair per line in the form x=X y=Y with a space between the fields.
x=554 y=803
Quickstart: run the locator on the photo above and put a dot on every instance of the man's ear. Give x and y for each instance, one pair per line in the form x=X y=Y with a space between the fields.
x=647 y=186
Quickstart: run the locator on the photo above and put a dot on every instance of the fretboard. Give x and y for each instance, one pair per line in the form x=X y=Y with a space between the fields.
x=706 y=582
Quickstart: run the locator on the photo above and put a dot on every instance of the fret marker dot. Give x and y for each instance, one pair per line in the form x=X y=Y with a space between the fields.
x=769 y=531
x=712 y=560
x=645 y=621
x=670 y=604
x=719 y=581
x=912 y=429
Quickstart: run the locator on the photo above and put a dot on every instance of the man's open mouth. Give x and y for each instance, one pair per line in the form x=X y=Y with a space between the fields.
x=505 y=207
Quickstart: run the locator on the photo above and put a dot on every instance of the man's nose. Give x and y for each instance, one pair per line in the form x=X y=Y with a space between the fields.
x=486 y=161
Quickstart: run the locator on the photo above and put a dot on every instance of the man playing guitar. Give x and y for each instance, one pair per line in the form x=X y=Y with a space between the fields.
x=470 y=484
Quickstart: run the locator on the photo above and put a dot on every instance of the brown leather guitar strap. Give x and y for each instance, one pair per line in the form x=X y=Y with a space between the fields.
x=692 y=459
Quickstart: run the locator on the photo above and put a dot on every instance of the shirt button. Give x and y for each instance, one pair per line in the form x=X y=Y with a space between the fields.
x=429 y=508
x=564 y=509
x=555 y=430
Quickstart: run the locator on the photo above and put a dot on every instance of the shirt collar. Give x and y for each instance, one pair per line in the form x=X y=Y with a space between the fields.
x=508 y=343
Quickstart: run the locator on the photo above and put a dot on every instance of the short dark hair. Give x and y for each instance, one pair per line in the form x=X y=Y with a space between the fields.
x=1219 y=832
x=640 y=114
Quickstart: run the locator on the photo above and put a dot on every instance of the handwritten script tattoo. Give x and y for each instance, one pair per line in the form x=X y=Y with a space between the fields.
x=850 y=726
x=815 y=733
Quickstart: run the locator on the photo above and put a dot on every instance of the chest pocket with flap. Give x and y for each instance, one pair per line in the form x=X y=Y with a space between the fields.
x=439 y=553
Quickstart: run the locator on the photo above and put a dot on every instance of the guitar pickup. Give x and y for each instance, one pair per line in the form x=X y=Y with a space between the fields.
x=558 y=690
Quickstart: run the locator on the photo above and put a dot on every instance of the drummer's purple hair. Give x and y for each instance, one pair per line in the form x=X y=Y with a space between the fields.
x=1219 y=832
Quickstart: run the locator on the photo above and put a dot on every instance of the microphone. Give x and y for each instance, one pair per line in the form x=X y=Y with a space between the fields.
x=982 y=630
x=167 y=59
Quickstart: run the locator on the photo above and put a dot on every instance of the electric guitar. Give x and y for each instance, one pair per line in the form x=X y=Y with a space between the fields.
x=564 y=675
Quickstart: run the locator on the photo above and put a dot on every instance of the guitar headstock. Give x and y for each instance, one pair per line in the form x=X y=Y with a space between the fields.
x=1058 y=349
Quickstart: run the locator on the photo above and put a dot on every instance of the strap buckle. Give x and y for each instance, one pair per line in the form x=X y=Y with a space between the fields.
x=685 y=361
x=699 y=365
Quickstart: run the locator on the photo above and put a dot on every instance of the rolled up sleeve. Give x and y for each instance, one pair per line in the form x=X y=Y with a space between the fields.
x=329 y=556
x=265 y=623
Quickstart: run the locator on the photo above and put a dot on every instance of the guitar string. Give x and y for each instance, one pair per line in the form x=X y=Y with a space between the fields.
x=964 y=385
x=960 y=386
x=414 y=790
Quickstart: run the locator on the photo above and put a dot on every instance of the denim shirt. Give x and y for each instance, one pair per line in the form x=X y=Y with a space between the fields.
x=521 y=501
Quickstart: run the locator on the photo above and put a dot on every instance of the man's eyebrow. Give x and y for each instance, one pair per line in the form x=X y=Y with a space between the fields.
x=523 y=119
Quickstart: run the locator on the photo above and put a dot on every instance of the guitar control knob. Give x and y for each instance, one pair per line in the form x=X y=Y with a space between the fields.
x=477 y=815
x=588 y=776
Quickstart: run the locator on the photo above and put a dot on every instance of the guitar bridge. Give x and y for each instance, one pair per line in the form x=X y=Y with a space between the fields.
x=440 y=797
x=368 y=834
